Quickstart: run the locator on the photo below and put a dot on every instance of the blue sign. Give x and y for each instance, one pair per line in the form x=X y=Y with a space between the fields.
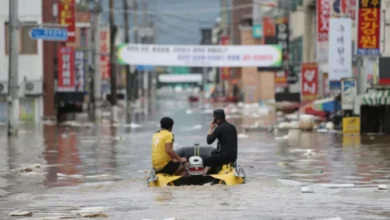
x=347 y=84
x=49 y=34
x=368 y=52
x=334 y=84
x=144 y=68
x=257 y=31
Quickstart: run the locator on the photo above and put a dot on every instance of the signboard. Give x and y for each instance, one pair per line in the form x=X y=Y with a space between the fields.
x=49 y=34
x=269 y=29
x=368 y=27
x=281 y=79
x=351 y=125
x=200 y=55
x=67 y=16
x=323 y=13
x=348 y=7
x=384 y=73
x=66 y=76
x=225 y=71
x=282 y=35
x=309 y=77
x=105 y=50
x=79 y=71
x=348 y=93
x=257 y=31
x=340 y=48
x=27 y=110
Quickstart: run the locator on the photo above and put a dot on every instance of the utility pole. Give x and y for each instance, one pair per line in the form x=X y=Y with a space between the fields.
x=113 y=31
x=13 y=74
x=129 y=78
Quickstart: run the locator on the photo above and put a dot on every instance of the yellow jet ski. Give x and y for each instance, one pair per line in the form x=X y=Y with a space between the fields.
x=229 y=174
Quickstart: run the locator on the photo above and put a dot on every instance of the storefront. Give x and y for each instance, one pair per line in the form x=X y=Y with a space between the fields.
x=375 y=111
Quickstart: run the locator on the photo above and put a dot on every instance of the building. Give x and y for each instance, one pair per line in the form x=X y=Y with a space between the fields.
x=30 y=61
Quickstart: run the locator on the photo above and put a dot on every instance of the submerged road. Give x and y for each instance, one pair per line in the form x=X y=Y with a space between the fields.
x=107 y=167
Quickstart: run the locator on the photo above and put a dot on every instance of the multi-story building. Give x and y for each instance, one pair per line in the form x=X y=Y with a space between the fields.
x=30 y=66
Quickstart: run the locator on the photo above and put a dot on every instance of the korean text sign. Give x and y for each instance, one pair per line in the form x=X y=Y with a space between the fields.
x=323 y=13
x=368 y=28
x=340 y=48
x=66 y=69
x=67 y=16
x=309 y=77
x=104 y=57
x=201 y=55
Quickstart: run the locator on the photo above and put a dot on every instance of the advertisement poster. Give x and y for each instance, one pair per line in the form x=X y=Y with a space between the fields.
x=368 y=27
x=340 y=48
x=105 y=51
x=67 y=16
x=79 y=71
x=348 y=94
x=27 y=110
x=309 y=77
x=66 y=76
x=201 y=55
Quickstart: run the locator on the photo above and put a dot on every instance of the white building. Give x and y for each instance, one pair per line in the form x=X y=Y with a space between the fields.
x=30 y=61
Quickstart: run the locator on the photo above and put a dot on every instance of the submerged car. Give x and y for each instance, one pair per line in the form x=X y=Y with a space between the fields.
x=228 y=174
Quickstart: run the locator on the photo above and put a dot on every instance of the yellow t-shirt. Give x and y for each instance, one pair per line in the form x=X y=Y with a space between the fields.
x=160 y=157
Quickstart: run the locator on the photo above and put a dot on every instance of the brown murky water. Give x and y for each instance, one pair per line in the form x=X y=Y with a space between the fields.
x=106 y=167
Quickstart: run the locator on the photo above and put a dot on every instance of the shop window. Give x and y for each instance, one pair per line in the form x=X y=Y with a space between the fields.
x=26 y=44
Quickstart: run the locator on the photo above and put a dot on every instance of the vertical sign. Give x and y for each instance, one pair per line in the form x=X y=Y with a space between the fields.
x=368 y=28
x=67 y=16
x=281 y=79
x=225 y=71
x=105 y=51
x=309 y=81
x=348 y=93
x=268 y=27
x=66 y=79
x=323 y=15
x=351 y=9
x=79 y=71
x=282 y=36
x=340 y=48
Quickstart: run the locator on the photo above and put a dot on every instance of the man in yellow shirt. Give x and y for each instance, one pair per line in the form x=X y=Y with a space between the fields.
x=164 y=159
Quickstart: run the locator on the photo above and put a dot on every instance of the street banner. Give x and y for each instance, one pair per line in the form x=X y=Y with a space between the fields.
x=340 y=48
x=309 y=77
x=368 y=27
x=282 y=35
x=323 y=15
x=269 y=29
x=67 y=16
x=348 y=7
x=200 y=55
x=348 y=93
x=105 y=53
x=66 y=76
x=79 y=71
x=225 y=71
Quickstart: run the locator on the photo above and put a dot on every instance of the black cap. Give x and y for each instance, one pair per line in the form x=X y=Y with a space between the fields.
x=219 y=114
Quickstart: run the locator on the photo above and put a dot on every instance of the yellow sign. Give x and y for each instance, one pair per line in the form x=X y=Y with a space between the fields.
x=351 y=141
x=351 y=125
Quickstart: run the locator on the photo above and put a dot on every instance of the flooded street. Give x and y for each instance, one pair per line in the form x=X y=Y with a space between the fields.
x=87 y=166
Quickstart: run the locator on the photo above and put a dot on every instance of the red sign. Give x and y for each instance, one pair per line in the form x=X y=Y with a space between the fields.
x=105 y=50
x=368 y=28
x=269 y=28
x=67 y=16
x=66 y=76
x=309 y=81
x=225 y=71
x=351 y=9
x=323 y=13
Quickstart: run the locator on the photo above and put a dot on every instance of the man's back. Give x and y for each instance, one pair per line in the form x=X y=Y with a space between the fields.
x=227 y=138
x=160 y=157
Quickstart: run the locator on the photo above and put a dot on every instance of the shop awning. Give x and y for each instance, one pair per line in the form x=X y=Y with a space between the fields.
x=376 y=97
x=327 y=105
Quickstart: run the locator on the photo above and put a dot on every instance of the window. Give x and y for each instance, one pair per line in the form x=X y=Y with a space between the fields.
x=83 y=37
x=26 y=44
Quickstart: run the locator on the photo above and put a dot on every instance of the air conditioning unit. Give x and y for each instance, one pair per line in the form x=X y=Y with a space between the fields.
x=3 y=88
x=33 y=87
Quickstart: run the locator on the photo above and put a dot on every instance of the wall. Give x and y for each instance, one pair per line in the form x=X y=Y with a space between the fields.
x=30 y=65
x=256 y=85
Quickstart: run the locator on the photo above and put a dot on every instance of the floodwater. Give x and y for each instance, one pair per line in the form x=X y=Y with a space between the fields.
x=107 y=167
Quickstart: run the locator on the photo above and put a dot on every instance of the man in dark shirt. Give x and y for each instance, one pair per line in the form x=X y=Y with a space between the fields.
x=226 y=134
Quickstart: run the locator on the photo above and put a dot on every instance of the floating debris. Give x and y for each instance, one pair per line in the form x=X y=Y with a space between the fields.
x=21 y=213
x=382 y=187
x=305 y=189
